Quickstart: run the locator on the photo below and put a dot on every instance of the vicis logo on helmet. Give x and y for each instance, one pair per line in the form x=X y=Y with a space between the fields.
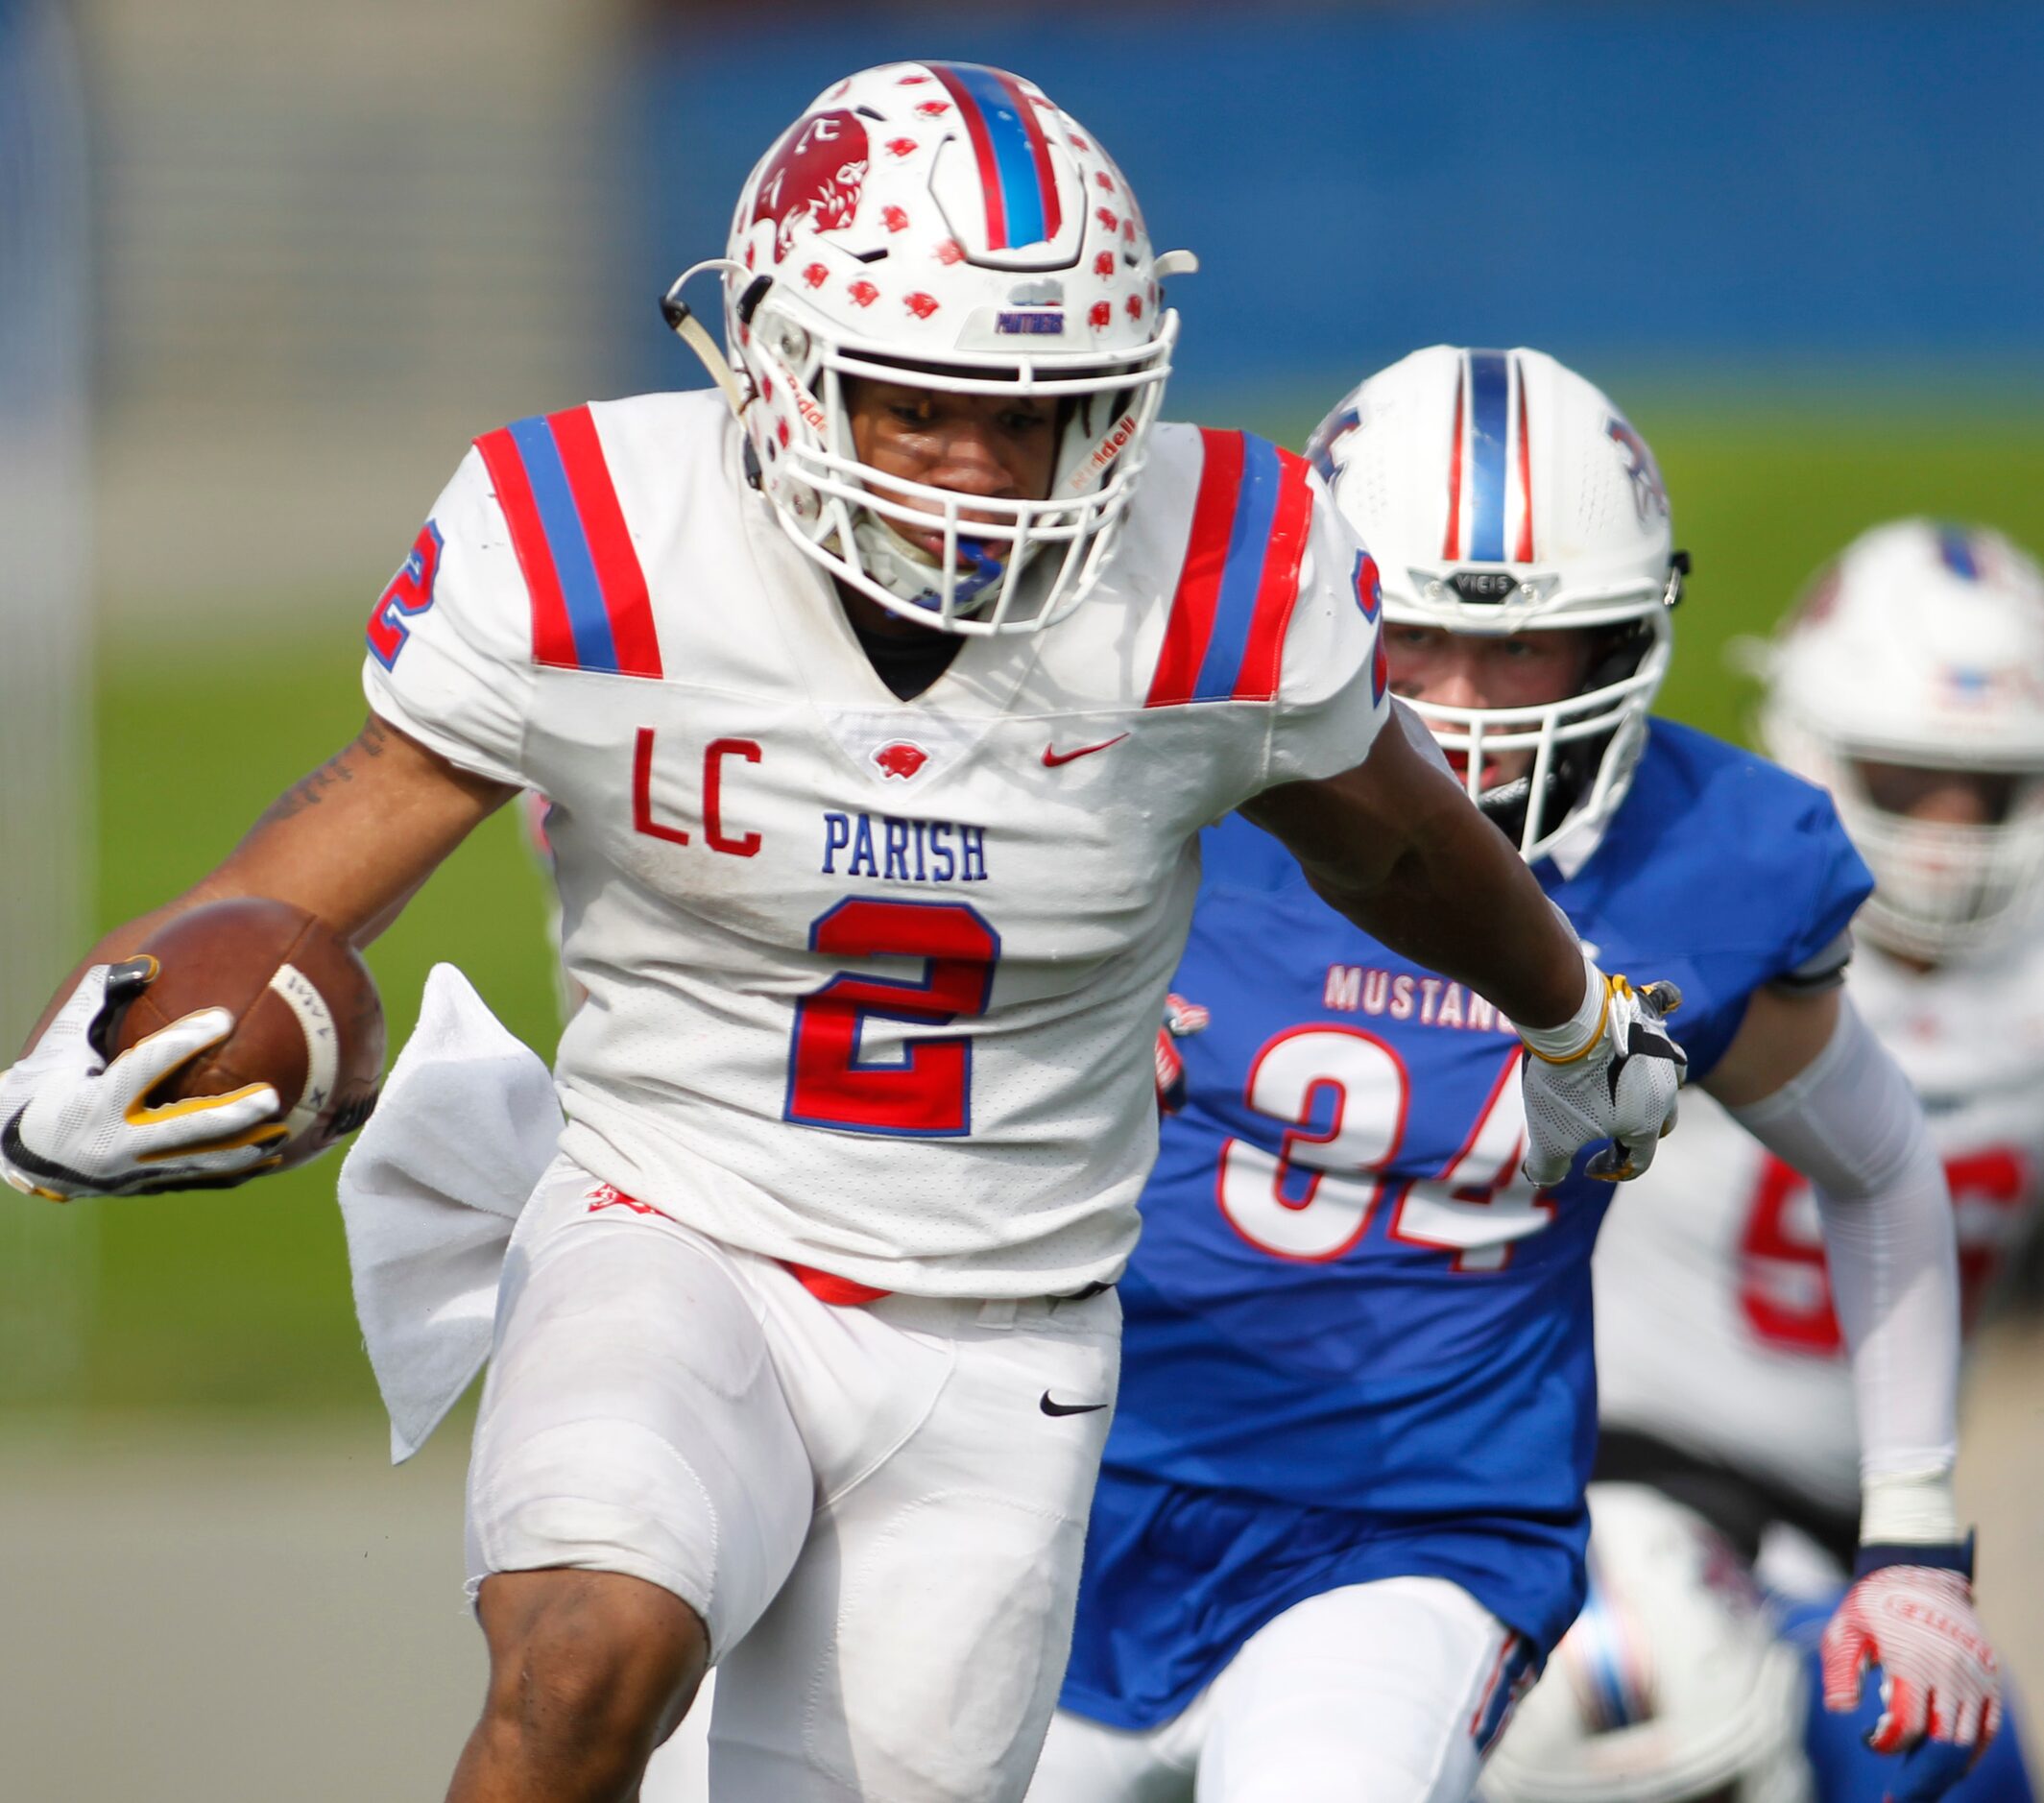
x=1484 y=585
x=816 y=179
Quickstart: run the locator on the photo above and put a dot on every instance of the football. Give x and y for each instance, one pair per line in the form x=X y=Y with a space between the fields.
x=307 y=1019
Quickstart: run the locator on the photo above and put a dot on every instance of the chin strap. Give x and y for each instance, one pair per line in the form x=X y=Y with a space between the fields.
x=691 y=331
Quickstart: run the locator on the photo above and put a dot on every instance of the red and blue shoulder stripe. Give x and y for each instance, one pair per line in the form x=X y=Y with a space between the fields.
x=590 y=610
x=1224 y=639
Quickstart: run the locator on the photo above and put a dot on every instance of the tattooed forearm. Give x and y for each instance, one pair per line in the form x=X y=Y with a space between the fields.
x=309 y=791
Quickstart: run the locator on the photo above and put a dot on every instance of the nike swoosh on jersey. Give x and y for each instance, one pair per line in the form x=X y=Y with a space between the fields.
x=1052 y=756
x=1051 y=1407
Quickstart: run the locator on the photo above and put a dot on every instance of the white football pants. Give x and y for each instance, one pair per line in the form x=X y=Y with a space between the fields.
x=871 y=1507
x=1383 y=1692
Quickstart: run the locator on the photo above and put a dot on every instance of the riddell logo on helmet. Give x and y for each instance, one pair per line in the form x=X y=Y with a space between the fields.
x=815 y=180
x=1105 y=451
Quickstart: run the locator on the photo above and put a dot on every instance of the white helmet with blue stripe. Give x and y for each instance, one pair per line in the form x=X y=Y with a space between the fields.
x=1499 y=492
x=945 y=225
x=1923 y=644
x=1670 y=1686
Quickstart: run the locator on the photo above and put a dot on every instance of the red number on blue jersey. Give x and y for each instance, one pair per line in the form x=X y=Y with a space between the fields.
x=922 y=1088
x=411 y=592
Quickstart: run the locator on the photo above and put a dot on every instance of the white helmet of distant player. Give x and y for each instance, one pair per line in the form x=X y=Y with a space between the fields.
x=1672 y=1686
x=943 y=224
x=1923 y=644
x=1499 y=492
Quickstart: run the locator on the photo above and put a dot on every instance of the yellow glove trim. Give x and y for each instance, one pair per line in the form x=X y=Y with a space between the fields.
x=1603 y=1021
x=138 y=1113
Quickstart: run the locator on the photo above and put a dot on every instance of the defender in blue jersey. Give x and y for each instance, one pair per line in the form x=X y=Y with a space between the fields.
x=1342 y=1519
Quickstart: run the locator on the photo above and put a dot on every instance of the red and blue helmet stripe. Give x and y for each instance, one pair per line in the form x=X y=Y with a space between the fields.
x=1012 y=154
x=1489 y=434
x=1490 y=391
x=1613 y=1680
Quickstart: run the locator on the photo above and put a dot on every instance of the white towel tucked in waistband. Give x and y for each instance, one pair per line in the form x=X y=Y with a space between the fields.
x=429 y=1192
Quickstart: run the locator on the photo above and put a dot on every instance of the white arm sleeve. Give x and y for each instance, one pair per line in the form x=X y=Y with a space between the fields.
x=1851 y=1124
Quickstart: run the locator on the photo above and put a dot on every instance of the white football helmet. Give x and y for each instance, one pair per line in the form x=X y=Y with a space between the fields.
x=1921 y=644
x=1499 y=492
x=1672 y=1686
x=945 y=225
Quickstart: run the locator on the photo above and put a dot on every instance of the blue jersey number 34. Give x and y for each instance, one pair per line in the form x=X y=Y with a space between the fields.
x=1318 y=1195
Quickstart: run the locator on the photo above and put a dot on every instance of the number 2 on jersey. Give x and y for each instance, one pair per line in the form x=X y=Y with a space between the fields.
x=923 y=1090
x=409 y=594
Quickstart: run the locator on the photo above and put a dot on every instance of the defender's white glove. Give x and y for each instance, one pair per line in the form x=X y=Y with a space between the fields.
x=1940 y=1684
x=1609 y=1074
x=72 y=1124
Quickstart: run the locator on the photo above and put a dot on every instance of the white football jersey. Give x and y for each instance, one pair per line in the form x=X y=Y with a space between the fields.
x=1715 y=1325
x=872 y=982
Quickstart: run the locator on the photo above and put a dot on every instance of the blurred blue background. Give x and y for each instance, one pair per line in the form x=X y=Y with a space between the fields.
x=1742 y=191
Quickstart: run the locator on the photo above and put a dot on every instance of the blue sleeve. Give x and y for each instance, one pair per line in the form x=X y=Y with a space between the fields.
x=1798 y=883
x=1837 y=882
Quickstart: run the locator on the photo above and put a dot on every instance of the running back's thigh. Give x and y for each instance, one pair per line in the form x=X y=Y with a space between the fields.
x=915 y=1652
x=633 y=1420
x=1390 y=1691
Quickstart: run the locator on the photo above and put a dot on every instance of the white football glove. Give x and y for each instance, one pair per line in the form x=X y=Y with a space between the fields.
x=72 y=1124
x=1620 y=1087
x=1940 y=1684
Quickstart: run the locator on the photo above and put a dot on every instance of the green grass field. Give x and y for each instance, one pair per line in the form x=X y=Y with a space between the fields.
x=239 y=1302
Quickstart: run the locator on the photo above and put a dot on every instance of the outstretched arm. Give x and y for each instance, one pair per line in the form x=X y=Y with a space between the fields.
x=351 y=842
x=1808 y=1079
x=1394 y=845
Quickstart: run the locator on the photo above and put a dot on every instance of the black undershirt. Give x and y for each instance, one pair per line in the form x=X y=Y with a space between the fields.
x=908 y=663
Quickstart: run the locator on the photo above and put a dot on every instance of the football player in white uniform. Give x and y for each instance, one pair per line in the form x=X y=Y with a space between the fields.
x=805 y=1344
x=1909 y=682
x=1671 y=1685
